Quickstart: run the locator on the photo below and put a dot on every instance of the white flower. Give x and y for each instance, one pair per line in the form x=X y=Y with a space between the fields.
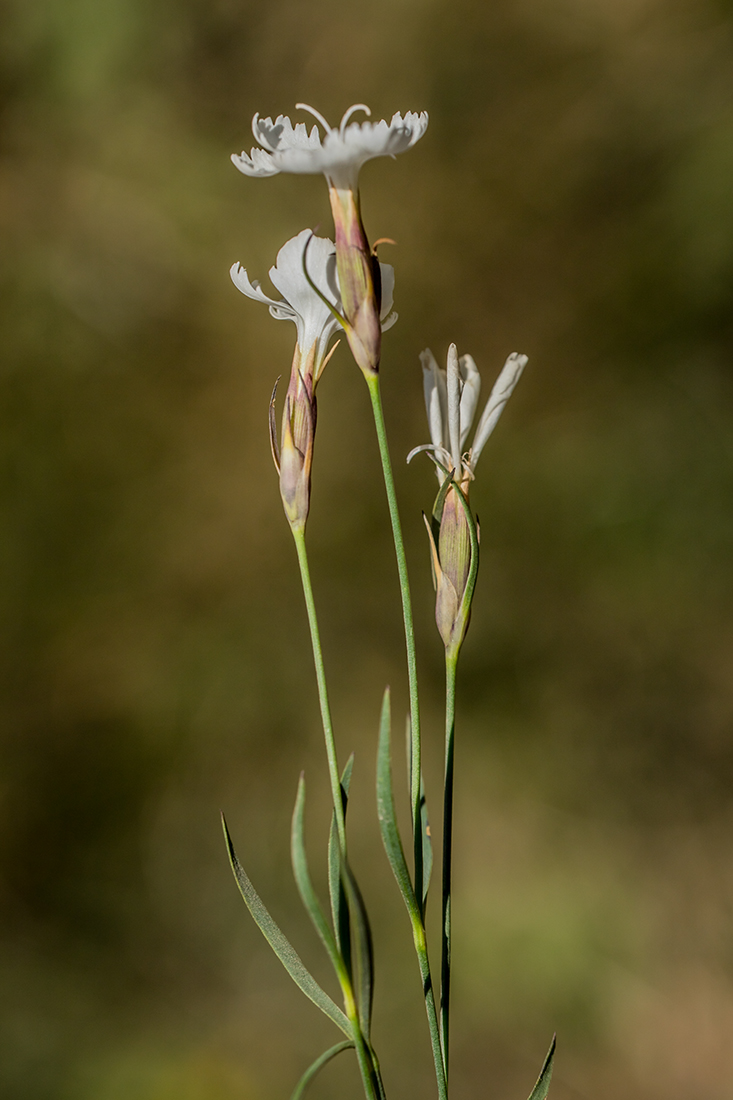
x=341 y=153
x=451 y=398
x=300 y=303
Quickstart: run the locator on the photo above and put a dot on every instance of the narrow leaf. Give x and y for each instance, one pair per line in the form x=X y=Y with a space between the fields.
x=305 y=886
x=280 y=945
x=339 y=907
x=539 y=1092
x=386 y=813
x=314 y=1069
x=364 y=949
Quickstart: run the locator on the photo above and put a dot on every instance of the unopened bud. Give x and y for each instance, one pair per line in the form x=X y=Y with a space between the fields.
x=452 y=548
x=294 y=457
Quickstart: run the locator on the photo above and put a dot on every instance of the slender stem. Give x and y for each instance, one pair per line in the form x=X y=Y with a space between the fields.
x=333 y=768
x=369 y=1076
x=415 y=753
x=451 y=664
x=421 y=948
x=365 y=1056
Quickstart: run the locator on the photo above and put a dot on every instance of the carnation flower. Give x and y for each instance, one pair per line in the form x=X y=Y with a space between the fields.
x=339 y=156
x=316 y=317
x=341 y=152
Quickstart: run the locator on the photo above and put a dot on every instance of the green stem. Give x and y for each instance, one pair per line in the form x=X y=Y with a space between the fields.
x=365 y=1056
x=421 y=948
x=333 y=768
x=451 y=664
x=367 y=1069
x=415 y=752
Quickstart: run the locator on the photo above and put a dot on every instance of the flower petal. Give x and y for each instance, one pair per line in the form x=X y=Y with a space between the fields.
x=281 y=135
x=316 y=322
x=436 y=401
x=386 y=273
x=453 y=386
x=251 y=288
x=498 y=398
x=341 y=153
x=257 y=164
x=470 y=389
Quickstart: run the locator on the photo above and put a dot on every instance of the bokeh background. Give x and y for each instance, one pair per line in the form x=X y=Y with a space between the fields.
x=572 y=199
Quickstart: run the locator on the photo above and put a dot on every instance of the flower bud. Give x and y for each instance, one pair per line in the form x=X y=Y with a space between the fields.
x=452 y=561
x=295 y=455
x=359 y=280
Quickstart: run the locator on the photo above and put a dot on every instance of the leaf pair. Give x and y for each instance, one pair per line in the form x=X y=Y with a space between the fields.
x=346 y=904
x=347 y=909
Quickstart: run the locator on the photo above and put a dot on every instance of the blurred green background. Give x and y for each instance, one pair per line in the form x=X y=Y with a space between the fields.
x=572 y=199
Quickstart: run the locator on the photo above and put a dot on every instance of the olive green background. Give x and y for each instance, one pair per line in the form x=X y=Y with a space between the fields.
x=572 y=199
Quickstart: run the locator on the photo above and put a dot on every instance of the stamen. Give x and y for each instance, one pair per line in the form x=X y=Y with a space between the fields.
x=357 y=107
x=316 y=114
x=419 y=450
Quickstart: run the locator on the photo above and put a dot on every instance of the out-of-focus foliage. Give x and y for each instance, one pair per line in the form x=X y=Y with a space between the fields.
x=572 y=199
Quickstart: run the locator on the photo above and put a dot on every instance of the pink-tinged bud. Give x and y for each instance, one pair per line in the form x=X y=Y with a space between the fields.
x=454 y=570
x=294 y=458
x=359 y=280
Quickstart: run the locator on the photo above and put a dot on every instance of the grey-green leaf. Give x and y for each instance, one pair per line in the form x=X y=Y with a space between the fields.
x=317 y=1066
x=386 y=813
x=305 y=886
x=539 y=1092
x=282 y=947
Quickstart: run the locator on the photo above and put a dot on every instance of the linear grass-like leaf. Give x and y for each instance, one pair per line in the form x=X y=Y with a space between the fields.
x=386 y=813
x=305 y=886
x=282 y=947
x=364 y=950
x=339 y=906
x=539 y=1092
x=314 y=1069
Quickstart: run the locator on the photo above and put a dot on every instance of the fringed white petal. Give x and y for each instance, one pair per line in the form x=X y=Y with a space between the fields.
x=317 y=323
x=341 y=152
x=258 y=164
x=300 y=303
x=280 y=135
x=250 y=287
